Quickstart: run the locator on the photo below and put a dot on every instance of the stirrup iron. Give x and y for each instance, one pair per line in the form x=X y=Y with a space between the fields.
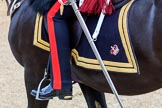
x=46 y=77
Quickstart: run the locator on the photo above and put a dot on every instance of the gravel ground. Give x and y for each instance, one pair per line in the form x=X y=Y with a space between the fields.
x=12 y=89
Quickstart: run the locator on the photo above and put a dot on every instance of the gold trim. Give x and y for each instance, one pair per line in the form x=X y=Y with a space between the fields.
x=39 y=33
x=98 y=67
x=129 y=67
x=121 y=27
x=127 y=36
x=124 y=31
x=38 y=41
x=95 y=62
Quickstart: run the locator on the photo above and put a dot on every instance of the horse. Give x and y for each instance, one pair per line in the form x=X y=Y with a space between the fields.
x=145 y=27
x=25 y=53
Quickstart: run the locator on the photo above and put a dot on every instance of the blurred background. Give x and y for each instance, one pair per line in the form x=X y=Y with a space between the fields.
x=12 y=87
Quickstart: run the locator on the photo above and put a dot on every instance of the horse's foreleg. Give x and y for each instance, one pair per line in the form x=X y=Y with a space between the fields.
x=94 y=99
x=32 y=79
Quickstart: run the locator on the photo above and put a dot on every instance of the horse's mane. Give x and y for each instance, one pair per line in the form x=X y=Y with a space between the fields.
x=42 y=6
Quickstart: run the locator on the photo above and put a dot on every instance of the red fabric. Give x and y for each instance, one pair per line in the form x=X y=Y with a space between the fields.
x=57 y=84
x=64 y=1
x=96 y=7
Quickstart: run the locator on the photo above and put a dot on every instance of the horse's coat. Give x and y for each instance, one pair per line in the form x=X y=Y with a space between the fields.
x=145 y=25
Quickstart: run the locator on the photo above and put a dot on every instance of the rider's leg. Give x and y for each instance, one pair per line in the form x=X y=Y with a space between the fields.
x=63 y=86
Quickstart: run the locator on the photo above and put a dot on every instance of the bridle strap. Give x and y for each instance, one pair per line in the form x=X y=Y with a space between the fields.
x=13 y=6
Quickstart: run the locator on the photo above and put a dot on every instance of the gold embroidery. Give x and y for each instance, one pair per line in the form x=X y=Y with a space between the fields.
x=38 y=41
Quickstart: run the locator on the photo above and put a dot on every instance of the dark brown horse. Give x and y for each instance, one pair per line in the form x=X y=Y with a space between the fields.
x=34 y=59
x=145 y=25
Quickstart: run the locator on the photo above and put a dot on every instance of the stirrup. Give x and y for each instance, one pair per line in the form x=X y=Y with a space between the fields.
x=46 y=77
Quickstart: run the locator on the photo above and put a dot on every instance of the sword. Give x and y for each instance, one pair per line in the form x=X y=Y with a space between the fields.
x=95 y=51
